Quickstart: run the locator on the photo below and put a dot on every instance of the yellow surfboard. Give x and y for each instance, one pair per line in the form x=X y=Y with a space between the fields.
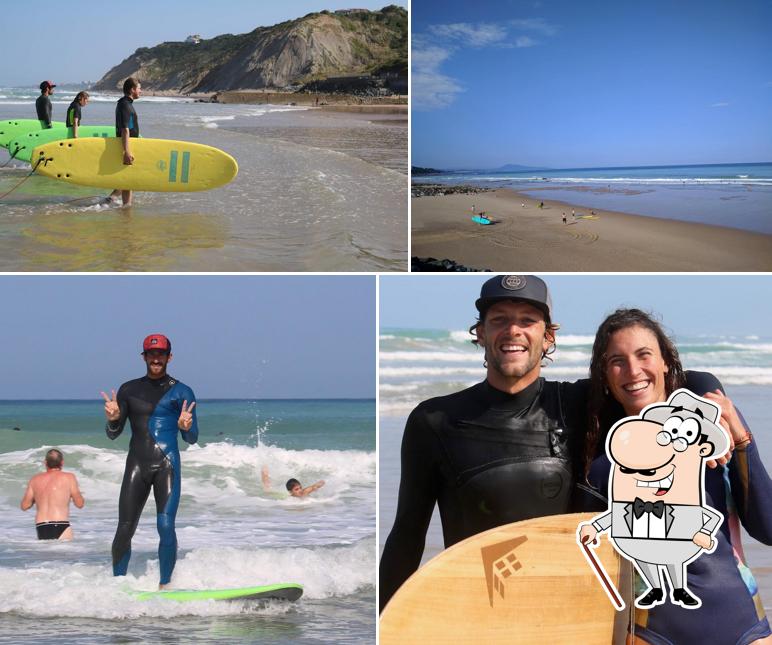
x=526 y=582
x=159 y=164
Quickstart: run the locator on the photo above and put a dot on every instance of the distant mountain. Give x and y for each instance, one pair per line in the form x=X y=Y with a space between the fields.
x=417 y=170
x=511 y=167
x=313 y=48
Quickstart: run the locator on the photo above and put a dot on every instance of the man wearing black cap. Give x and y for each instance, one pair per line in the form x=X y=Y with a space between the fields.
x=43 y=103
x=501 y=451
x=157 y=407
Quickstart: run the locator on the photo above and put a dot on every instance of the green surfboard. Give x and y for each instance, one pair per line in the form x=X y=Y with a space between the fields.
x=21 y=147
x=289 y=591
x=14 y=128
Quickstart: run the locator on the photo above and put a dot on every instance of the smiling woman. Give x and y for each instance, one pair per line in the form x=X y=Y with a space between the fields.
x=634 y=364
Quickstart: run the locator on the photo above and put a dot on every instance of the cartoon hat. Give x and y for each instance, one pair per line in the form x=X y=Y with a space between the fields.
x=683 y=404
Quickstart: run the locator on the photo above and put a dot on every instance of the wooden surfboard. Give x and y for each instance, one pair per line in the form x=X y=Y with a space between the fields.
x=526 y=582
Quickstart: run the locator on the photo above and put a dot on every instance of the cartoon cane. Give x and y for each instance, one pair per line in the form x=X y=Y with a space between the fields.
x=611 y=590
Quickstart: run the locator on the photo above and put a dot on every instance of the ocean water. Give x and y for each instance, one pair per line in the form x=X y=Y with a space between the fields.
x=733 y=195
x=316 y=191
x=419 y=364
x=230 y=531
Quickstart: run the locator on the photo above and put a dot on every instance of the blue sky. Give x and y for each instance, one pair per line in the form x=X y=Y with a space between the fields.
x=567 y=84
x=232 y=336
x=689 y=305
x=49 y=39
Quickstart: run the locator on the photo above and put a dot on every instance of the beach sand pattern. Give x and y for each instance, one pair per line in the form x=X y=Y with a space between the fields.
x=595 y=240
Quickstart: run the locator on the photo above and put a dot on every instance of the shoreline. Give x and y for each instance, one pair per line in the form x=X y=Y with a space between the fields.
x=535 y=239
x=326 y=101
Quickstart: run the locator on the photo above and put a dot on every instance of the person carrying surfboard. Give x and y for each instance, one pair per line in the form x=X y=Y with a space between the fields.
x=43 y=103
x=126 y=127
x=73 y=118
x=501 y=451
x=51 y=492
x=157 y=406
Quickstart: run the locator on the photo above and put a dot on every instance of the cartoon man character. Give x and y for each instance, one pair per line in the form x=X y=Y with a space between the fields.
x=656 y=490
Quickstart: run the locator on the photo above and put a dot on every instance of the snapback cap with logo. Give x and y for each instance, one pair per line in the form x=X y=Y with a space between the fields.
x=46 y=84
x=157 y=341
x=527 y=288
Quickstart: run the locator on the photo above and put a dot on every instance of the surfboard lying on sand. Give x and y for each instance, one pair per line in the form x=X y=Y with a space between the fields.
x=526 y=582
x=21 y=147
x=289 y=591
x=159 y=164
x=481 y=220
x=14 y=128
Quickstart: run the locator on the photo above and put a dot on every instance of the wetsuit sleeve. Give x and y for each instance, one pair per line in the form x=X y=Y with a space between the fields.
x=113 y=429
x=190 y=436
x=49 y=113
x=417 y=495
x=749 y=480
x=122 y=117
x=752 y=490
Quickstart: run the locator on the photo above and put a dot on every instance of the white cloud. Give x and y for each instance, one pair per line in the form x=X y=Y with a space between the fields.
x=430 y=88
x=471 y=35
x=538 y=25
x=720 y=105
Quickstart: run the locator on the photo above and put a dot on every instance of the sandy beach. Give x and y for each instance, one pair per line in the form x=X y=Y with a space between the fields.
x=530 y=238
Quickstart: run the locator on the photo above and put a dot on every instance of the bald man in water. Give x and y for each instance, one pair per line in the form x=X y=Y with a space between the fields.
x=52 y=491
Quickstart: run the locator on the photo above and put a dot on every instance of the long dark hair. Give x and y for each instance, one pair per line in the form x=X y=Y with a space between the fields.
x=603 y=408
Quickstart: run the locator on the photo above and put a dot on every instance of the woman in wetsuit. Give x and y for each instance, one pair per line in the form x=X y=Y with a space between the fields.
x=157 y=407
x=634 y=364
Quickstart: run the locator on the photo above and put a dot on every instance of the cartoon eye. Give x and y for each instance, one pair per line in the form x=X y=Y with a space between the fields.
x=664 y=438
x=689 y=429
x=672 y=425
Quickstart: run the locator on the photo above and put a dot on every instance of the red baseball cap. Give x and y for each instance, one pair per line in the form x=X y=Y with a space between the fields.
x=157 y=341
x=46 y=84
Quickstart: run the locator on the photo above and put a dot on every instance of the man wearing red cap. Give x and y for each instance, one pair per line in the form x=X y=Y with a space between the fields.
x=157 y=407
x=43 y=103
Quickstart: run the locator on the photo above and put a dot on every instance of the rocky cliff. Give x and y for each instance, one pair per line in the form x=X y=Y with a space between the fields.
x=313 y=48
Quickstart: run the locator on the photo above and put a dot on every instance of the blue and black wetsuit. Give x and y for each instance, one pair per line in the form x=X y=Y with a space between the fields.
x=152 y=407
x=732 y=611
x=126 y=117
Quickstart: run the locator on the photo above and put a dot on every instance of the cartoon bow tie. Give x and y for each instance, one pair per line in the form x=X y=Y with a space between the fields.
x=640 y=507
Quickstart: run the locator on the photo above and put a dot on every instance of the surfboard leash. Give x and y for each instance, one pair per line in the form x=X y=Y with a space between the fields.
x=26 y=178
x=13 y=155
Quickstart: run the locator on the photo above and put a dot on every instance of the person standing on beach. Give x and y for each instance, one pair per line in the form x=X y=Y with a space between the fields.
x=157 y=407
x=43 y=103
x=52 y=491
x=73 y=113
x=127 y=127
x=516 y=431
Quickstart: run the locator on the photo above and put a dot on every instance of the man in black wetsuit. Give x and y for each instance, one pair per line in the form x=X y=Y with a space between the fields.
x=43 y=103
x=157 y=407
x=126 y=128
x=501 y=451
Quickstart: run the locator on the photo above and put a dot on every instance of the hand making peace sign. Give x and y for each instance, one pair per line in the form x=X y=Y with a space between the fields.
x=185 y=422
x=112 y=411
